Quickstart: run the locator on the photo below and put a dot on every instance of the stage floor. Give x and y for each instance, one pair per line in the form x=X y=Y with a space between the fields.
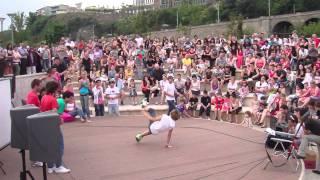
x=202 y=149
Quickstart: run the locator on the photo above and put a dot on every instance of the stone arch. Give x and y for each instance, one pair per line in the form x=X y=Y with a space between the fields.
x=312 y=20
x=283 y=28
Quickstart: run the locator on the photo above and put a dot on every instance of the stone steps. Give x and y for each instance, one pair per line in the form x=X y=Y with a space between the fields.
x=160 y=109
x=248 y=101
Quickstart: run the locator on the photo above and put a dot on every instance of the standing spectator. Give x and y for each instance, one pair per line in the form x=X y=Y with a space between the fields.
x=120 y=85
x=113 y=96
x=2 y=61
x=145 y=87
x=32 y=59
x=46 y=58
x=312 y=134
x=16 y=61
x=9 y=60
x=23 y=51
x=49 y=103
x=84 y=93
x=169 y=92
x=98 y=98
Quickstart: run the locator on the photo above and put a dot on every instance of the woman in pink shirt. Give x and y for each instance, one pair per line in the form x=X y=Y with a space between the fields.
x=313 y=93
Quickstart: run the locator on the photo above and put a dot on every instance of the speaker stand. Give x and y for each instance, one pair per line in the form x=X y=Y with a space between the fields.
x=44 y=170
x=23 y=174
x=1 y=168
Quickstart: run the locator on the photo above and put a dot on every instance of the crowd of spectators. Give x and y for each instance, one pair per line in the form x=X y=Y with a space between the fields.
x=211 y=74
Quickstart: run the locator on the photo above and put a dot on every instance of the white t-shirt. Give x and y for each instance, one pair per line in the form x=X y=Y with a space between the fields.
x=139 y=41
x=112 y=92
x=69 y=107
x=264 y=85
x=165 y=124
x=232 y=86
x=170 y=89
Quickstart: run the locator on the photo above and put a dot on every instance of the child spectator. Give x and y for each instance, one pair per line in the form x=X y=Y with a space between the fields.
x=98 y=98
x=247 y=121
x=182 y=109
x=218 y=102
x=133 y=91
x=68 y=86
x=226 y=106
x=205 y=104
x=243 y=91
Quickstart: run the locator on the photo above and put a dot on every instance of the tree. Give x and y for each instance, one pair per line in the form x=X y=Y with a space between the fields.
x=18 y=21
x=54 y=33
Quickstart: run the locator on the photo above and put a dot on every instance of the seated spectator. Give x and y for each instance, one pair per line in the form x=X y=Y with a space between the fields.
x=218 y=102
x=312 y=93
x=235 y=108
x=195 y=86
x=205 y=105
x=261 y=87
x=193 y=104
x=32 y=97
x=181 y=107
x=67 y=105
x=226 y=107
x=232 y=85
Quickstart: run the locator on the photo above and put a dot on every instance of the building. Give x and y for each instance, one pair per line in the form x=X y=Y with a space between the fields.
x=147 y=5
x=54 y=10
x=175 y=3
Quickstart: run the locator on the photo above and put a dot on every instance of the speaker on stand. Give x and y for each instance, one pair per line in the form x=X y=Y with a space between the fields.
x=19 y=133
x=44 y=136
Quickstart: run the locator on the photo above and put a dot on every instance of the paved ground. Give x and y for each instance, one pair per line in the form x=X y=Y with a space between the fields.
x=106 y=149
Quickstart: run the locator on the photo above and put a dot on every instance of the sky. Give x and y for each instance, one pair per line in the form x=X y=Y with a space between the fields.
x=12 y=6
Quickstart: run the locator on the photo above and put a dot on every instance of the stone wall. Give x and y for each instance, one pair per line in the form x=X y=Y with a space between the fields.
x=262 y=24
x=23 y=86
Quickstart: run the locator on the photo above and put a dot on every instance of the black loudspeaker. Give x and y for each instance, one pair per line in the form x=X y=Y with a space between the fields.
x=19 y=130
x=44 y=136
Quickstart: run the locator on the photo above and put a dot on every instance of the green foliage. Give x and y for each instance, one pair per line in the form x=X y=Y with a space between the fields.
x=39 y=28
x=18 y=21
x=235 y=26
x=308 y=30
x=54 y=33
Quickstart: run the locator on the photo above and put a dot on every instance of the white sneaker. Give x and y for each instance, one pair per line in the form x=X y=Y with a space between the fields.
x=62 y=170
x=51 y=170
x=37 y=164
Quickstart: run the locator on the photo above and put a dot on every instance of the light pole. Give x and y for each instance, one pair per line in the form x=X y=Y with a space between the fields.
x=218 y=12
x=269 y=6
x=1 y=23
x=177 y=17
x=12 y=34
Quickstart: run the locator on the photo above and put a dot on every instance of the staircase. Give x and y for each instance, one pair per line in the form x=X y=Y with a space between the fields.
x=129 y=109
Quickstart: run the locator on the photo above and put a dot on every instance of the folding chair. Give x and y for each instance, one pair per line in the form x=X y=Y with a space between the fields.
x=279 y=149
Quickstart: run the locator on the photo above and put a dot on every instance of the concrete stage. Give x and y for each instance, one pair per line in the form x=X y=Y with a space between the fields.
x=202 y=149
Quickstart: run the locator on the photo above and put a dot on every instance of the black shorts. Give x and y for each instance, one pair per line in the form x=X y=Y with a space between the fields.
x=197 y=93
x=181 y=91
x=237 y=110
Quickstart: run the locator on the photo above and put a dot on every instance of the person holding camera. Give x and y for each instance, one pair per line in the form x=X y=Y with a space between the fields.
x=311 y=134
